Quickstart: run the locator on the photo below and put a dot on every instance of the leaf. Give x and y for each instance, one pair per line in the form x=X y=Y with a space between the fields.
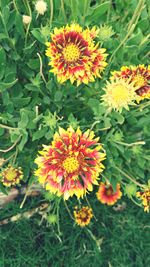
x=24 y=139
x=39 y=134
x=99 y=11
x=37 y=34
x=4 y=86
x=19 y=25
x=2 y=62
x=24 y=119
x=58 y=96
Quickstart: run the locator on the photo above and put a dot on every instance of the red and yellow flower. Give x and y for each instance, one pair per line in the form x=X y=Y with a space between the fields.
x=11 y=176
x=71 y=164
x=83 y=216
x=107 y=195
x=145 y=197
x=139 y=76
x=74 y=55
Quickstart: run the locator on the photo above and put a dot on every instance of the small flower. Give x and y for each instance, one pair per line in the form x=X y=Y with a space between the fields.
x=107 y=195
x=41 y=7
x=74 y=55
x=119 y=94
x=105 y=32
x=71 y=164
x=83 y=216
x=26 y=19
x=11 y=176
x=145 y=198
x=139 y=76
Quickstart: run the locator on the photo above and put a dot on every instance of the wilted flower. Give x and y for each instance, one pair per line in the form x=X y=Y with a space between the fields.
x=119 y=94
x=83 y=216
x=71 y=164
x=26 y=19
x=107 y=195
x=145 y=197
x=41 y=7
x=105 y=32
x=11 y=176
x=74 y=55
x=139 y=76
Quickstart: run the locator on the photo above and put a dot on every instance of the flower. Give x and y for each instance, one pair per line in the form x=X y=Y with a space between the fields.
x=74 y=55
x=83 y=216
x=139 y=76
x=26 y=19
x=107 y=195
x=145 y=197
x=119 y=94
x=71 y=164
x=11 y=176
x=105 y=32
x=41 y=7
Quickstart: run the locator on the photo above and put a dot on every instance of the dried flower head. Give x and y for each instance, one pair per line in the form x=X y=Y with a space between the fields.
x=74 y=55
x=41 y=7
x=26 y=19
x=71 y=164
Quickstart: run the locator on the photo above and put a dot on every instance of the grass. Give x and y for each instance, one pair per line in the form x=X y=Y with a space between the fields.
x=122 y=236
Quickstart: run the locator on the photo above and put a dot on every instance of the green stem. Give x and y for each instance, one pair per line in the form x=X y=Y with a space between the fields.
x=51 y=13
x=85 y=9
x=28 y=27
x=15 y=6
x=63 y=11
x=129 y=177
x=131 y=144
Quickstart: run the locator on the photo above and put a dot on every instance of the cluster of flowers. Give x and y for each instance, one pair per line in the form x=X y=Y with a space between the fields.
x=72 y=163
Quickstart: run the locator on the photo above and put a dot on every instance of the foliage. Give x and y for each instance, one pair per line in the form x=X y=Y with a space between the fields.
x=33 y=105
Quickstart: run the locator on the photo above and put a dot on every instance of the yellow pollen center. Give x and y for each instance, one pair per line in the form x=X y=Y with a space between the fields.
x=120 y=93
x=71 y=53
x=109 y=192
x=70 y=164
x=11 y=175
x=83 y=215
x=139 y=80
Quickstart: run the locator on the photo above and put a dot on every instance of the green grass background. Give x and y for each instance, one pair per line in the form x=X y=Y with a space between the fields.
x=124 y=238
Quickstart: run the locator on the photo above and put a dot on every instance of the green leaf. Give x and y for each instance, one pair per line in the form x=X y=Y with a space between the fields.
x=24 y=119
x=58 y=96
x=37 y=34
x=99 y=11
x=19 y=25
x=4 y=86
x=39 y=134
x=2 y=62
x=24 y=139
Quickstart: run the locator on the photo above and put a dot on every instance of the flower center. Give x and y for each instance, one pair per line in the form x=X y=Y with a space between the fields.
x=120 y=93
x=139 y=80
x=10 y=175
x=83 y=215
x=70 y=164
x=109 y=191
x=71 y=52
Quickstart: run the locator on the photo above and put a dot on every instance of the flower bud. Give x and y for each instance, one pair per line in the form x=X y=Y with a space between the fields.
x=26 y=19
x=41 y=7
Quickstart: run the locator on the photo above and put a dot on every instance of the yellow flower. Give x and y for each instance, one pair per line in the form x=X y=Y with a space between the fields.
x=74 y=56
x=71 y=164
x=11 y=176
x=139 y=76
x=119 y=94
x=83 y=216
x=145 y=198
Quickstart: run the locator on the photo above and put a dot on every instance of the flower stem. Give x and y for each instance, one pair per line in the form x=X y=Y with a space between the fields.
x=131 y=144
x=129 y=177
x=51 y=13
